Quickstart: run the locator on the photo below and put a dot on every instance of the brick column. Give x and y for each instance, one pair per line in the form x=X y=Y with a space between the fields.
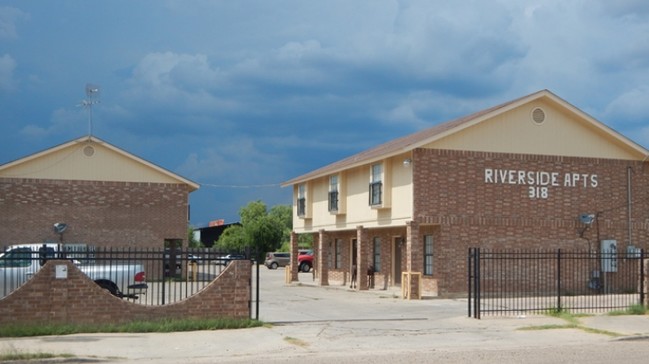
x=361 y=258
x=414 y=248
x=322 y=266
x=294 y=253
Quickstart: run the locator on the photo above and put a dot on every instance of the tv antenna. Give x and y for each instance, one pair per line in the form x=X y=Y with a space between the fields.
x=92 y=98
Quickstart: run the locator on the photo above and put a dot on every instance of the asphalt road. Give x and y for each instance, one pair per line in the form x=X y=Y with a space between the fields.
x=324 y=325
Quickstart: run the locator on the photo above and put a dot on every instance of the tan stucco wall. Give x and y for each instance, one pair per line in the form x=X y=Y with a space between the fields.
x=514 y=132
x=355 y=193
x=71 y=163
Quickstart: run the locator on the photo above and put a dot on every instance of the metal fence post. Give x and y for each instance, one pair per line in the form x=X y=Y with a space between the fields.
x=257 y=300
x=559 y=305
x=476 y=274
x=643 y=285
x=470 y=277
x=559 y=280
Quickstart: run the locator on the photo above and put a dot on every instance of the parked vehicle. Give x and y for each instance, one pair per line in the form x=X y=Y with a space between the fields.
x=277 y=259
x=305 y=262
x=18 y=263
x=225 y=260
x=179 y=259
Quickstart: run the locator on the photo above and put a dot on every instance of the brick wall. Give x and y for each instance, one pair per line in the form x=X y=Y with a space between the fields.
x=44 y=299
x=99 y=213
x=451 y=193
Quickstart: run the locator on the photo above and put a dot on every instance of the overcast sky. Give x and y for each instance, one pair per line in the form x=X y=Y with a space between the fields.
x=242 y=95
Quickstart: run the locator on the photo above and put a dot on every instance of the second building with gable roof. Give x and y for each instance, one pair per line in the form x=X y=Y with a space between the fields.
x=106 y=196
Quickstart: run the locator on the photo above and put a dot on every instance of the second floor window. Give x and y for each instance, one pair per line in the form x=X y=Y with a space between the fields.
x=301 y=200
x=376 y=184
x=333 y=193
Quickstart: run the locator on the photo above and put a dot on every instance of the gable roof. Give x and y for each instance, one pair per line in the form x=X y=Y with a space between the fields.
x=437 y=132
x=71 y=161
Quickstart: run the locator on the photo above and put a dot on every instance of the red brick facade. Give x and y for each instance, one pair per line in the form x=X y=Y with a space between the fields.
x=457 y=195
x=44 y=299
x=124 y=214
x=468 y=199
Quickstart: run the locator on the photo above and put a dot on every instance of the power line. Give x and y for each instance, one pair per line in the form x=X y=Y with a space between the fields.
x=240 y=186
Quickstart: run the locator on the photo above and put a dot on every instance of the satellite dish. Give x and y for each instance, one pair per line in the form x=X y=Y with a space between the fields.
x=60 y=227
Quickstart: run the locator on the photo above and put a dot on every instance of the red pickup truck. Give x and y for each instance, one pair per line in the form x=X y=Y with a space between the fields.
x=305 y=262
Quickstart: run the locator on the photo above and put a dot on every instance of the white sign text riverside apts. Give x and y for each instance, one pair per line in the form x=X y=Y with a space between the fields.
x=539 y=182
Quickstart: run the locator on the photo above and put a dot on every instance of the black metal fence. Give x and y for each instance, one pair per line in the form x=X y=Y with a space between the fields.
x=520 y=282
x=143 y=276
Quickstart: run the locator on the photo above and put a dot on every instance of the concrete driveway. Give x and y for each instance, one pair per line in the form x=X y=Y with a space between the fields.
x=322 y=325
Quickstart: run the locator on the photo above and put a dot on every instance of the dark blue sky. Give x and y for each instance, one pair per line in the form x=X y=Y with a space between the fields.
x=240 y=96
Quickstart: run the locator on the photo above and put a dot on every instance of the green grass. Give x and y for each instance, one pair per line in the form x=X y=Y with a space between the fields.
x=572 y=320
x=14 y=355
x=133 y=327
x=631 y=310
x=296 y=342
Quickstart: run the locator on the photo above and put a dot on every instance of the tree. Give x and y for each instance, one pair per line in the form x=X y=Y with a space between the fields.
x=284 y=213
x=232 y=240
x=259 y=232
x=192 y=242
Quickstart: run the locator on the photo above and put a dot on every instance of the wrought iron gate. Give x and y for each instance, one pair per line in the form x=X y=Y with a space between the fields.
x=520 y=282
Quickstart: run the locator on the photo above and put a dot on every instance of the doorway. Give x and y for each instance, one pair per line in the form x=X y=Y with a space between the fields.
x=397 y=243
x=354 y=253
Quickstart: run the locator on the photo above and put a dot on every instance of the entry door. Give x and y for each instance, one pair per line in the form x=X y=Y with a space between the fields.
x=396 y=261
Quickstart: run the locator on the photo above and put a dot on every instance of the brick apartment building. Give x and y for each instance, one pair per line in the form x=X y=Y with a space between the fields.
x=106 y=196
x=520 y=175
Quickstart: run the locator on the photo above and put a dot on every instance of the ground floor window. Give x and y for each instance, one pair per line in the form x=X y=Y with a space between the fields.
x=377 y=254
x=339 y=254
x=428 y=255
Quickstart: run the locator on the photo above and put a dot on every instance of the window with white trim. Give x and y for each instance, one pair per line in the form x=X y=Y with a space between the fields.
x=333 y=193
x=376 y=184
x=301 y=200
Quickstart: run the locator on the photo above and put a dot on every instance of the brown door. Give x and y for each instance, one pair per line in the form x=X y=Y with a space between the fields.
x=396 y=261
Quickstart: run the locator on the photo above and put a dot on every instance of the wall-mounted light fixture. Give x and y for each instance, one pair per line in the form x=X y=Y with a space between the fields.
x=587 y=219
x=407 y=162
x=60 y=228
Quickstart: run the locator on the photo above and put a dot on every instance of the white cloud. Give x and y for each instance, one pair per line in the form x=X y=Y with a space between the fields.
x=34 y=131
x=7 y=67
x=630 y=106
x=63 y=121
x=9 y=16
x=235 y=161
x=640 y=135
x=173 y=81
x=170 y=69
